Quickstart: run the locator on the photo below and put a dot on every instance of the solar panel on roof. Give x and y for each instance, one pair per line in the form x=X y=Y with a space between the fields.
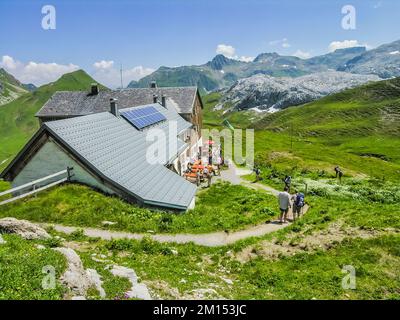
x=143 y=117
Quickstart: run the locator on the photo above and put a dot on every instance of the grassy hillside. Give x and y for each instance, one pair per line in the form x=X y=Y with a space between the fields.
x=367 y=110
x=222 y=207
x=358 y=129
x=17 y=118
x=21 y=265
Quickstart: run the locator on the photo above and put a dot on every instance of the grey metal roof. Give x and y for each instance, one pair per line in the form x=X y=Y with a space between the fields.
x=117 y=151
x=77 y=103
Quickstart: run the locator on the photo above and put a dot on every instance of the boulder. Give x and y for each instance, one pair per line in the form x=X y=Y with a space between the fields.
x=23 y=228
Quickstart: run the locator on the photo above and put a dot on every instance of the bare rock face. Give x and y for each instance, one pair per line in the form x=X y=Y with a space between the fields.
x=138 y=290
x=75 y=277
x=96 y=281
x=23 y=228
x=273 y=94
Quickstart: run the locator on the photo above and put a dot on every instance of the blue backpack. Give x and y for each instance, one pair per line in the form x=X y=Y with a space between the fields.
x=300 y=200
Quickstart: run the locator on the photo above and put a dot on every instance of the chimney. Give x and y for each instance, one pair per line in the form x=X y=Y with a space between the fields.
x=94 y=89
x=153 y=84
x=155 y=98
x=164 y=101
x=114 y=107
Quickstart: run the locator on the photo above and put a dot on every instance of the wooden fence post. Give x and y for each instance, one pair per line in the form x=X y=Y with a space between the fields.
x=69 y=173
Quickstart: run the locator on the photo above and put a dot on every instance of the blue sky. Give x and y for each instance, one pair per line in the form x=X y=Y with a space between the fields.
x=145 y=34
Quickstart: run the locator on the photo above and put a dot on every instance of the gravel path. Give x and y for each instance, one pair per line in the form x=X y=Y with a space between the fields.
x=214 y=239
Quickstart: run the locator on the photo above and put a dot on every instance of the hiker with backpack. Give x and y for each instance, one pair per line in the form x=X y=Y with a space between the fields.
x=298 y=204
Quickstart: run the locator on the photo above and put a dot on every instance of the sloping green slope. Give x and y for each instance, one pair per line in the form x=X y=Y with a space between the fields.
x=17 y=118
x=358 y=129
x=367 y=110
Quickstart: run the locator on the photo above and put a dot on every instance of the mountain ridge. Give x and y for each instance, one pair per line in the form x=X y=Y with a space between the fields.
x=10 y=87
x=221 y=71
x=272 y=94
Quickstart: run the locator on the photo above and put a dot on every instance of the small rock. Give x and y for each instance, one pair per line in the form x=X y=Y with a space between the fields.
x=108 y=223
x=183 y=281
x=228 y=281
x=174 y=252
x=2 y=241
x=101 y=260
x=150 y=231
x=40 y=247
x=229 y=254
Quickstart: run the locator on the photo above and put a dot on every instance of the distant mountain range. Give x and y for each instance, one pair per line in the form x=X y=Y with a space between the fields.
x=222 y=72
x=272 y=94
x=383 y=61
x=10 y=88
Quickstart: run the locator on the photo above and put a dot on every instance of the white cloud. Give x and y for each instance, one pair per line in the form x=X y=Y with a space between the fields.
x=9 y=63
x=334 y=45
x=302 y=54
x=282 y=42
x=34 y=72
x=227 y=50
x=245 y=59
x=103 y=64
x=42 y=73
x=107 y=74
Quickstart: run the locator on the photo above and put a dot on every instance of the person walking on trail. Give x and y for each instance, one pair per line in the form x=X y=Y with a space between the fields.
x=298 y=204
x=337 y=170
x=258 y=173
x=338 y=173
x=284 y=204
x=340 y=176
x=288 y=182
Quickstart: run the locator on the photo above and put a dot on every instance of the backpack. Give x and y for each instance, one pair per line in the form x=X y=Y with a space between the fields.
x=300 y=200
